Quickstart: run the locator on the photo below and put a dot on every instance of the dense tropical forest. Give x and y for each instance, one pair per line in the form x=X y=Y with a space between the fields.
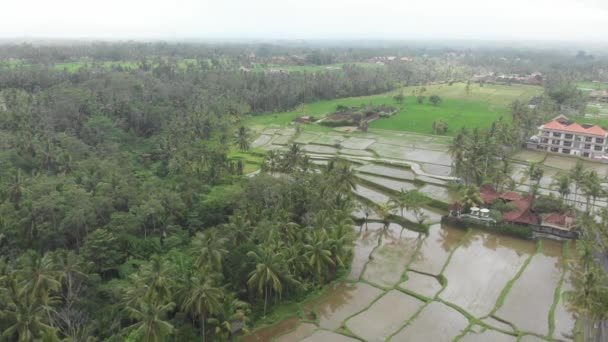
x=125 y=215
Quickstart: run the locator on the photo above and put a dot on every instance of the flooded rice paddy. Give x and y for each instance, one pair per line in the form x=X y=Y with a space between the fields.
x=442 y=286
x=449 y=284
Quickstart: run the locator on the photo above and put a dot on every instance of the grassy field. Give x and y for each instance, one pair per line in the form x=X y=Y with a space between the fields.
x=477 y=109
x=458 y=113
x=592 y=85
x=76 y=65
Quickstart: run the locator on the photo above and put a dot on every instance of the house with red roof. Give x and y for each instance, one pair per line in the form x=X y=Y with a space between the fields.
x=564 y=136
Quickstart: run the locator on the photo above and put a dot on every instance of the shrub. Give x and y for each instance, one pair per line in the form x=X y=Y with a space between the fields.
x=548 y=204
x=336 y=123
x=503 y=207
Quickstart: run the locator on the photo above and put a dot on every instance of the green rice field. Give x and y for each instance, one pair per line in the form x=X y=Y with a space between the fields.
x=479 y=108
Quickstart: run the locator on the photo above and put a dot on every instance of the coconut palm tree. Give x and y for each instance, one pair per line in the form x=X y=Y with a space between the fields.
x=577 y=175
x=592 y=188
x=243 y=137
x=202 y=298
x=317 y=250
x=272 y=162
x=562 y=183
x=231 y=311
x=399 y=200
x=384 y=212
x=157 y=278
x=208 y=249
x=269 y=273
x=341 y=238
x=38 y=274
x=25 y=315
x=151 y=321
x=534 y=173
x=470 y=196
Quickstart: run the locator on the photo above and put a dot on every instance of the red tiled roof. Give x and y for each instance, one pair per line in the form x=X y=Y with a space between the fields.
x=510 y=196
x=488 y=194
x=557 y=218
x=560 y=124
x=526 y=217
x=522 y=214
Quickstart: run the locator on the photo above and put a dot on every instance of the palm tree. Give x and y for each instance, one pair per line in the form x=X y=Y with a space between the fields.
x=534 y=173
x=16 y=189
x=592 y=188
x=562 y=184
x=318 y=252
x=151 y=320
x=24 y=314
x=399 y=200
x=384 y=211
x=231 y=310
x=208 y=249
x=341 y=239
x=272 y=162
x=243 y=138
x=157 y=278
x=268 y=274
x=577 y=174
x=38 y=274
x=202 y=298
x=470 y=196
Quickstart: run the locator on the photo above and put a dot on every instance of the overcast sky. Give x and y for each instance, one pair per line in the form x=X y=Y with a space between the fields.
x=307 y=19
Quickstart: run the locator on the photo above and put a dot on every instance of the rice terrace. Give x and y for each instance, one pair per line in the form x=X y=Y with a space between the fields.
x=444 y=284
x=232 y=186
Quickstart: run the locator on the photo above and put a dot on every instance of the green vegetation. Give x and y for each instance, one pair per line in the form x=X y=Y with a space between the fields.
x=479 y=109
x=309 y=68
x=589 y=86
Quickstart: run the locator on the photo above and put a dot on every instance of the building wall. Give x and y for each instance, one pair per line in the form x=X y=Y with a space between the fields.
x=583 y=145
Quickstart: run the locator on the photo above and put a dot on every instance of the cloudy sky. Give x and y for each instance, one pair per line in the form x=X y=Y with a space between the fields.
x=307 y=19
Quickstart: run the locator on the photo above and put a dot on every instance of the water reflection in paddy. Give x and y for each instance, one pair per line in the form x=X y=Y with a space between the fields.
x=367 y=240
x=385 y=316
x=538 y=281
x=436 y=248
x=481 y=267
x=341 y=301
x=390 y=259
x=437 y=322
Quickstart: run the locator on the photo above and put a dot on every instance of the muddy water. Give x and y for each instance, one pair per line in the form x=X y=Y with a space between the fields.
x=481 y=267
x=302 y=331
x=384 y=317
x=320 y=149
x=437 y=322
x=428 y=156
x=268 y=333
x=421 y=284
x=488 y=335
x=328 y=336
x=436 y=248
x=341 y=301
x=439 y=193
x=367 y=240
x=431 y=215
x=528 y=303
x=387 y=171
x=564 y=317
x=435 y=169
x=372 y=195
x=389 y=260
x=357 y=143
x=388 y=183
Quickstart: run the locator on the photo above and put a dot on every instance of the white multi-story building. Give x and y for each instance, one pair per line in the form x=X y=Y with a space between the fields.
x=562 y=135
